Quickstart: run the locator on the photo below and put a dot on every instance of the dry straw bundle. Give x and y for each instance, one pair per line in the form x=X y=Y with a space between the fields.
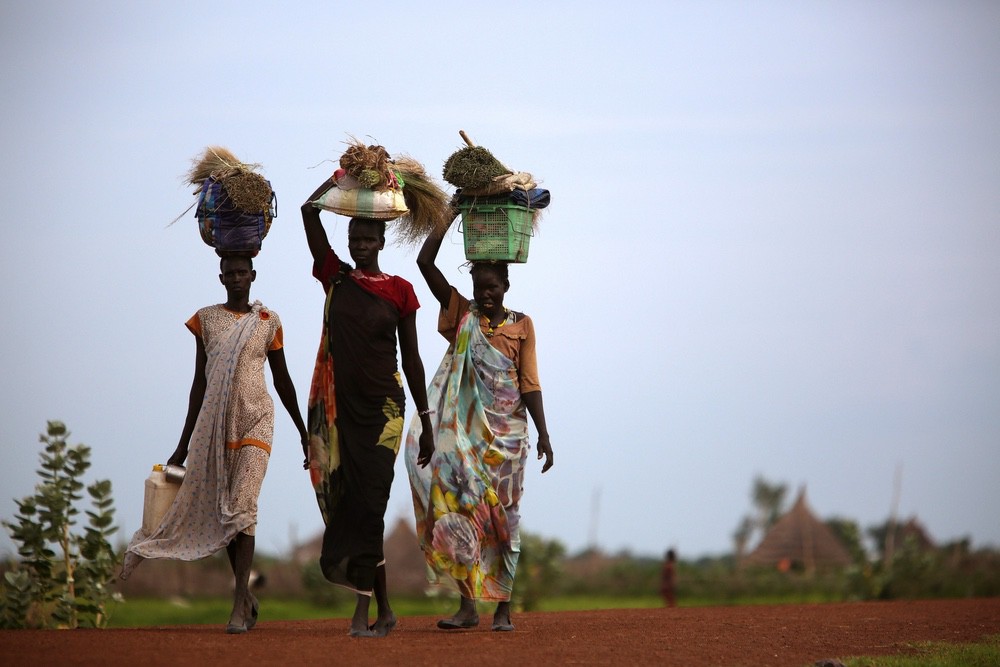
x=473 y=167
x=477 y=173
x=373 y=168
x=249 y=191
x=370 y=165
x=233 y=203
x=428 y=203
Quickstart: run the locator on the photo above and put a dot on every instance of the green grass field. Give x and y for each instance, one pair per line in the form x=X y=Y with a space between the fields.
x=981 y=654
x=143 y=612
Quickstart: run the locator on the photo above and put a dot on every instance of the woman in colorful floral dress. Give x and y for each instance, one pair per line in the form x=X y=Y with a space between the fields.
x=466 y=501
x=226 y=439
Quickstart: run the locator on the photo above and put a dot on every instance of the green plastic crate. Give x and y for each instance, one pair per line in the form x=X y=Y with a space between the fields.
x=497 y=232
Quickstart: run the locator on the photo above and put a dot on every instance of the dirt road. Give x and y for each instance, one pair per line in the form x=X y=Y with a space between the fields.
x=793 y=635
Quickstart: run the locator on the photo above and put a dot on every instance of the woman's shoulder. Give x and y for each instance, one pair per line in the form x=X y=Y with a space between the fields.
x=522 y=320
x=519 y=327
x=402 y=287
x=267 y=314
x=399 y=280
x=207 y=319
x=209 y=310
x=267 y=319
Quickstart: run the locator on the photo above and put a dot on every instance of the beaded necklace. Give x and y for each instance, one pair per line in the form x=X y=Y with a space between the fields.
x=490 y=329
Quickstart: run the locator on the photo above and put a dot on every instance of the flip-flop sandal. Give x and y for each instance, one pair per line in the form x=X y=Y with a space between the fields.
x=232 y=629
x=361 y=633
x=452 y=624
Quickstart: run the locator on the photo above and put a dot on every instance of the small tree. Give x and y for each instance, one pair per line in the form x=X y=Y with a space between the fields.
x=70 y=587
x=538 y=570
x=849 y=534
x=741 y=538
x=768 y=502
x=768 y=499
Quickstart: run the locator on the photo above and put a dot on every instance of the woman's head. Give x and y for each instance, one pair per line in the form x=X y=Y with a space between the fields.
x=236 y=273
x=237 y=257
x=489 y=284
x=365 y=238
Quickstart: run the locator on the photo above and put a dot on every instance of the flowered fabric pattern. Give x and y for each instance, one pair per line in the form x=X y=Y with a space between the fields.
x=218 y=498
x=466 y=500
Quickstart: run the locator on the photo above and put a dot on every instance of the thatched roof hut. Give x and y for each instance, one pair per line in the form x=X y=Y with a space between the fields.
x=915 y=531
x=406 y=569
x=801 y=541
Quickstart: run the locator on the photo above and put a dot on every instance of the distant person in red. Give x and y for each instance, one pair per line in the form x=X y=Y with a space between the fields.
x=668 y=583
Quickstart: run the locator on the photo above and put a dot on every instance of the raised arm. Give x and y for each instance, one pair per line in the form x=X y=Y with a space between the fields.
x=319 y=244
x=432 y=274
x=195 y=399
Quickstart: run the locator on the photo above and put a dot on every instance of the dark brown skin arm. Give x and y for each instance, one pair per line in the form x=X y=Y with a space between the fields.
x=195 y=399
x=432 y=274
x=413 y=369
x=319 y=244
x=286 y=392
x=533 y=401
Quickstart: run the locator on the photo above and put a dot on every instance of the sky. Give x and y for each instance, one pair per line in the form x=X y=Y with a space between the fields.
x=773 y=247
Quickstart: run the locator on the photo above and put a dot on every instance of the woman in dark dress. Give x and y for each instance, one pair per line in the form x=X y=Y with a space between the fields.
x=357 y=404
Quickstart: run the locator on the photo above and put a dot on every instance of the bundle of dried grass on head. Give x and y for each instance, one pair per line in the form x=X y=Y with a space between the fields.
x=372 y=167
x=233 y=203
x=473 y=167
x=248 y=190
x=369 y=165
x=428 y=203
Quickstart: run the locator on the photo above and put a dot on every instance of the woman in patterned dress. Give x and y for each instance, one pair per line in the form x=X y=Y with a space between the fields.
x=466 y=501
x=356 y=407
x=226 y=438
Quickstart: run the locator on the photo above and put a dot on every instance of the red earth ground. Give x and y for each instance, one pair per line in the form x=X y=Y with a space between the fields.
x=794 y=635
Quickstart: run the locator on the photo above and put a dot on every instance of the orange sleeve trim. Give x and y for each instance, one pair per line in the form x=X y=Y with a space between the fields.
x=249 y=442
x=278 y=341
x=194 y=325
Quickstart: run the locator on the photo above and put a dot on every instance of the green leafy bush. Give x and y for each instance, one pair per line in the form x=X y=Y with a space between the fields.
x=63 y=578
x=538 y=571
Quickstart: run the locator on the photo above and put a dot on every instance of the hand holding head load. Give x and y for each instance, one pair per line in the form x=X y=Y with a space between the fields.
x=371 y=184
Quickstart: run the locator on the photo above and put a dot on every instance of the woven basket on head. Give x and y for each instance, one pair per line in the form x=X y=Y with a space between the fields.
x=235 y=205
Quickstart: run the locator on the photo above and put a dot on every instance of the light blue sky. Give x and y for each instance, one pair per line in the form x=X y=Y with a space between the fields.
x=773 y=246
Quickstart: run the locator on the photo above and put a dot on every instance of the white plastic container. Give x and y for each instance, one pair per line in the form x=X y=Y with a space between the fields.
x=160 y=493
